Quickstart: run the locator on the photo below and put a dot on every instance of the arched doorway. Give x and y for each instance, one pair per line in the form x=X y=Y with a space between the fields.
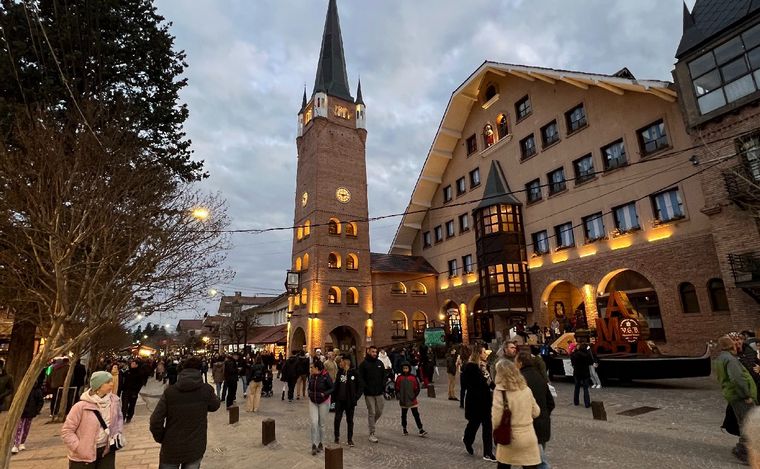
x=298 y=341
x=480 y=322
x=452 y=322
x=562 y=299
x=419 y=324
x=641 y=294
x=346 y=340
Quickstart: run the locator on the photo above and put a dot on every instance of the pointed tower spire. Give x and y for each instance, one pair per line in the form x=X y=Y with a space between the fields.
x=331 y=69
x=688 y=20
x=497 y=190
x=359 y=99
x=303 y=102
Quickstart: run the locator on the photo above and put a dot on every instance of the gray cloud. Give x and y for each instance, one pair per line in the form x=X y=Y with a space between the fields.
x=249 y=61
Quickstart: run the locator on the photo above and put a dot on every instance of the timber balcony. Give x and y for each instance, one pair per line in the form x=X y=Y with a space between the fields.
x=746 y=271
x=743 y=183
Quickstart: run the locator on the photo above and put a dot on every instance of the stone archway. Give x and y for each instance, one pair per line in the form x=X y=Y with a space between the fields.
x=346 y=339
x=561 y=299
x=640 y=292
x=298 y=341
x=452 y=321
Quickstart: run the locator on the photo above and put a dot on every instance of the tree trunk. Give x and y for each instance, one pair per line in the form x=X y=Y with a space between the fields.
x=63 y=406
x=19 y=401
x=21 y=348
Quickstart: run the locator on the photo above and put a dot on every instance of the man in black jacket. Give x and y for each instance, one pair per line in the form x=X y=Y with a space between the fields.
x=231 y=376
x=348 y=390
x=581 y=360
x=290 y=373
x=539 y=386
x=302 y=368
x=130 y=390
x=372 y=376
x=180 y=421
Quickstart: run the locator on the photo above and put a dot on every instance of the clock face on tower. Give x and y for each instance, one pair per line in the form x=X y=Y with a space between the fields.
x=304 y=199
x=342 y=195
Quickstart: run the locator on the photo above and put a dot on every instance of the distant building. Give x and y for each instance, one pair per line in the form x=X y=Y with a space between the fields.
x=190 y=327
x=229 y=305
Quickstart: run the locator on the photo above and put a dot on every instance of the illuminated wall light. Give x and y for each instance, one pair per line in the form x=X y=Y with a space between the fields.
x=589 y=300
x=535 y=262
x=444 y=284
x=621 y=242
x=662 y=232
x=457 y=281
x=587 y=251
x=472 y=278
x=561 y=256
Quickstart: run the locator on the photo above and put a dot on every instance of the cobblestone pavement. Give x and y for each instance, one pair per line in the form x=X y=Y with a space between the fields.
x=682 y=433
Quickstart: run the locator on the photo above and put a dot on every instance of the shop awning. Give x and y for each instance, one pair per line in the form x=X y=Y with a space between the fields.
x=269 y=335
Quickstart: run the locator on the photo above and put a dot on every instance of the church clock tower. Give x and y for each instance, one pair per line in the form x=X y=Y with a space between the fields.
x=331 y=241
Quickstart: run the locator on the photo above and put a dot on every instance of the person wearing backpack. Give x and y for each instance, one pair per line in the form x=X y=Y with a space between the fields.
x=255 y=381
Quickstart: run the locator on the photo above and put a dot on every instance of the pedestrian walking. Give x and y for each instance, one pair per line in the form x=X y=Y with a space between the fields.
x=332 y=369
x=539 y=386
x=582 y=362
x=217 y=374
x=407 y=390
x=32 y=408
x=79 y=378
x=6 y=388
x=752 y=431
x=302 y=368
x=477 y=407
x=255 y=382
x=738 y=389
x=130 y=390
x=320 y=386
x=512 y=393
x=231 y=376
x=597 y=383
x=93 y=424
x=180 y=420
x=204 y=370
x=462 y=359
x=451 y=371
x=372 y=375
x=348 y=390
x=290 y=374
x=172 y=372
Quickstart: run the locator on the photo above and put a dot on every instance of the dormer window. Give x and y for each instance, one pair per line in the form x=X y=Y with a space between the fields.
x=490 y=92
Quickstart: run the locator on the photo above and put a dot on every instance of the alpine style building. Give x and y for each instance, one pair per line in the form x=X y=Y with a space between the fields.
x=543 y=191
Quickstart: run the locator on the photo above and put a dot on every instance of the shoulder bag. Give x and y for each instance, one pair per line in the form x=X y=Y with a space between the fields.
x=502 y=434
x=117 y=441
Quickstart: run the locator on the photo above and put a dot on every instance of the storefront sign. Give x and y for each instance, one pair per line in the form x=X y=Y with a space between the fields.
x=629 y=330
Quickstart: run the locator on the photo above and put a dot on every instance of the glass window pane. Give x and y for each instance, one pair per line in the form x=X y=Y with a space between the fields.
x=754 y=58
x=711 y=101
x=707 y=82
x=702 y=64
x=739 y=88
x=729 y=50
x=734 y=69
x=752 y=37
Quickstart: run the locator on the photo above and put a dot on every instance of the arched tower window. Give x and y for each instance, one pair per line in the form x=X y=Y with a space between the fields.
x=305 y=261
x=304 y=296
x=491 y=91
x=717 y=291
x=297 y=264
x=351 y=229
x=333 y=226
x=333 y=296
x=398 y=288
x=419 y=289
x=352 y=262
x=399 y=325
x=352 y=296
x=299 y=233
x=689 y=300
x=333 y=260
x=306 y=228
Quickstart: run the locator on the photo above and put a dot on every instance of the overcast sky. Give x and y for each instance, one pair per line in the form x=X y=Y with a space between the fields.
x=249 y=60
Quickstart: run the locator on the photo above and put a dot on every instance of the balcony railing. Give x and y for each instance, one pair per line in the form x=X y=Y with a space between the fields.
x=745 y=268
x=743 y=183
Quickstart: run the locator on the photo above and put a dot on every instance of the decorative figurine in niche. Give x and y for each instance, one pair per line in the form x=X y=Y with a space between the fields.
x=488 y=135
x=501 y=122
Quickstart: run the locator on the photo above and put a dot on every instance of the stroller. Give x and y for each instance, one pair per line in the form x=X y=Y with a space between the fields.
x=266 y=388
x=390 y=386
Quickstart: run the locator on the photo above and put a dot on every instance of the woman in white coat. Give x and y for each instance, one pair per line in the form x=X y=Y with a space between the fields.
x=523 y=448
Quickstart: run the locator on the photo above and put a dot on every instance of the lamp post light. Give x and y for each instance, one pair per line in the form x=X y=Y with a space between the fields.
x=292 y=283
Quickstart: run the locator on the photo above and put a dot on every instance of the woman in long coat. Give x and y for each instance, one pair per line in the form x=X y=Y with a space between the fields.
x=523 y=447
x=477 y=405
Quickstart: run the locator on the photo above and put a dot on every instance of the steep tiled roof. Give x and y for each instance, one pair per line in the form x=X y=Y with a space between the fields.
x=399 y=263
x=709 y=18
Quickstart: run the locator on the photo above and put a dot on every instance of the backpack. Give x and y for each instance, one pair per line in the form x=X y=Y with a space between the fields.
x=257 y=374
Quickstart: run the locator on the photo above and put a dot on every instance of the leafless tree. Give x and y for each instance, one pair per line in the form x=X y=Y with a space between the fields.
x=94 y=231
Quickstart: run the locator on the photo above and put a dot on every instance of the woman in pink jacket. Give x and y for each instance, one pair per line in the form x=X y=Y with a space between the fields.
x=89 y=444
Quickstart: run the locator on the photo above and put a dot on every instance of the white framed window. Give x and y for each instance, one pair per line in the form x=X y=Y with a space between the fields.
x=626 y=217
x=564 y=234
x=668 y=205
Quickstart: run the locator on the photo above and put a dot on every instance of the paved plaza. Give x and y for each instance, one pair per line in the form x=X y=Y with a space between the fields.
x=682 y=433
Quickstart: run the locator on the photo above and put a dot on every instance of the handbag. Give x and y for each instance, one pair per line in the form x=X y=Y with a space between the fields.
x=502 y=434
x=116 y=442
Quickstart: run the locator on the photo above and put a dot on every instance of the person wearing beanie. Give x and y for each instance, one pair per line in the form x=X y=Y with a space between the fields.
x=89 y=441
x=407 y=390
x=738 y=387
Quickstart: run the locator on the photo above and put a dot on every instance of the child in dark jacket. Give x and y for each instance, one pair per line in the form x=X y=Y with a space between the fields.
x=320 y=387
x=33 y=406
x=407 y=390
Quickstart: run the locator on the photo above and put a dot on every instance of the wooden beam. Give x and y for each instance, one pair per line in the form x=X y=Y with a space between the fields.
x=414 y=226
x=497 y=72
x=574 y=82
x=451 y=132
x=468 y=96
x=522 y=75
x=405 y=247
x=421 y=204
x=608 y=87
x=543 y=77
x=442 y=154
x=432 y=179
x=662 y=95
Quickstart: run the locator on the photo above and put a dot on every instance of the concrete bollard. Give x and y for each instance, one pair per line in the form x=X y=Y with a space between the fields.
x=333 y=457
x=267 y=432
x=234 y=414
x=431 y=391
x=597 y=409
